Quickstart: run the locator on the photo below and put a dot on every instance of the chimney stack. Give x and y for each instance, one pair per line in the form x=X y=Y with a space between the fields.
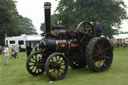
x=47 y=10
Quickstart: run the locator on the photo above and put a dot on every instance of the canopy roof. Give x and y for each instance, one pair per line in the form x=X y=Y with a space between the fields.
x=33 y=38
x=120 y=36
x=27 y=38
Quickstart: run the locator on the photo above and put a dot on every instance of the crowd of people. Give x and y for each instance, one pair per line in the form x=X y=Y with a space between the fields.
x=12 y=52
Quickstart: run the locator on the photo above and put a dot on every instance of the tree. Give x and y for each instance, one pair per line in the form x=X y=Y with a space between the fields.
x=42 y=27
x=53 y=22
x=27 y=25
x=9 y=23
x=109 y=12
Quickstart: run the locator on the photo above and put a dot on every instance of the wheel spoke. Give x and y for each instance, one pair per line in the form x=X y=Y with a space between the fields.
x=33 y=67
x=62 y=61
x=58 y=73
x=38 y=70
x=62 y=64
x=98 y=64
x=34 y=58
x=107 y=57
x=102 y=45
x=58 y=59
x=95 y=50
x=52 y=59
x=39 y=59
x=98 y=46
x=31 y=61
x=52 y=71
x=62 y=68
x=55 y=73
x=106 y=48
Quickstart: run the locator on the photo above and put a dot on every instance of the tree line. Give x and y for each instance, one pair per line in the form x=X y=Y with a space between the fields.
x=109 y=12
x=70 y=12
x=11 y=23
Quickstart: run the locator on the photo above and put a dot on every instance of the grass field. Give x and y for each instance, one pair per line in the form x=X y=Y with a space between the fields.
x=15 y=73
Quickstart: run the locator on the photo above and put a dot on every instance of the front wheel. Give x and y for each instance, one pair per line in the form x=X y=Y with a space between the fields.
x=35 y=63
x=56 y=66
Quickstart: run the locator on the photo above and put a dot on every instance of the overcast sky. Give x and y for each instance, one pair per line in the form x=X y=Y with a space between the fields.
x=34 y=10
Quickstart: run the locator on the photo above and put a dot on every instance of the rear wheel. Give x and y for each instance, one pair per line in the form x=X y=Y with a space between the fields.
x=56 y=66
x=99 y=54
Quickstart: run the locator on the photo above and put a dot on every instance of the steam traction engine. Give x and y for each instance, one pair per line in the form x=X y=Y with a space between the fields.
x=76 y=48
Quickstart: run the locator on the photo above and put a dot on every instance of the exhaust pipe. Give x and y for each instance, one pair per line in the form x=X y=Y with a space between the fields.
x=47 y=10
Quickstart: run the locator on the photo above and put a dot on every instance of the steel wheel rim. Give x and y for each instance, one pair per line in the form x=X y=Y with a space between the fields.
x=102 y=56
x=56 y=67
x=34 y=64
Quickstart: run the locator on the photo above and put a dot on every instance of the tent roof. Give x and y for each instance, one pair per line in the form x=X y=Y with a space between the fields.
x=121 y=36
x=26 y=37
x=33 y=38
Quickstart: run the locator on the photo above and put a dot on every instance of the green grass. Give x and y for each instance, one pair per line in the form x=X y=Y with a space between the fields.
x=15 y=73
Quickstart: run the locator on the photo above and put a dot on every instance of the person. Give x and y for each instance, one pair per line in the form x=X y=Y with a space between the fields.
x=20 y=49
x=124 y=45
x=28 y=50
x=13 y=55
x=16 y=50
x=0 y=49
x=6 y=54
x=98 y=29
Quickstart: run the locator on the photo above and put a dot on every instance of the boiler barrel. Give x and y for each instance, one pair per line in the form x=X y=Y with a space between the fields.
x=49 y=45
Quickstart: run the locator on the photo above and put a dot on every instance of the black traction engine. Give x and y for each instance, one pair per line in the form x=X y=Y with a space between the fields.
x=61 y=47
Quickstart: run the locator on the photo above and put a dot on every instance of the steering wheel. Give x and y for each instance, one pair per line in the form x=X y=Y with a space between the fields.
x=86 y=28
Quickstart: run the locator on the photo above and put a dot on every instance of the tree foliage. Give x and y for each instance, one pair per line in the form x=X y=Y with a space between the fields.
x=53 y=20
x=27 y=25
x=42 y=27
x=109 y=12
x=11 y=22
x=9 y=17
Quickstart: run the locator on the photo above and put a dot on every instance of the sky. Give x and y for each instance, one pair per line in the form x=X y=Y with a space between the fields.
x=34 y=10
